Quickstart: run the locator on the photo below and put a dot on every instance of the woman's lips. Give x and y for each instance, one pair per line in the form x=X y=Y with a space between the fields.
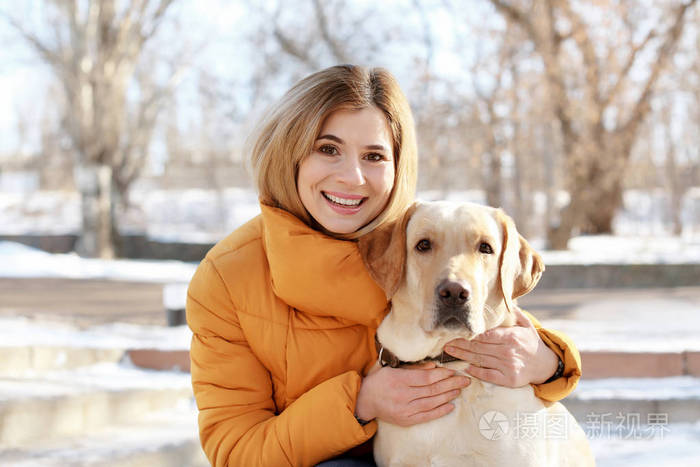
x=339 y=207
x=344 y=196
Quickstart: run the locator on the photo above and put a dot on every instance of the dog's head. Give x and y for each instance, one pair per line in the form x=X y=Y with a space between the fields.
x=452 y=267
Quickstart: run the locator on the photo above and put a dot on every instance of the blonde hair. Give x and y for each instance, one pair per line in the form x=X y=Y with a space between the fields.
x=286 y=135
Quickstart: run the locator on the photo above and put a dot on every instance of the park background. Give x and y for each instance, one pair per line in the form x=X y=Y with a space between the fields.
x=122 y=135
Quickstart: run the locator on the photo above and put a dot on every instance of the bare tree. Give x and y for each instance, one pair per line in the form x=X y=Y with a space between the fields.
x=491 y=122
x=673 y=179
x=497 y=108
x=94 y=49
x=589 y=95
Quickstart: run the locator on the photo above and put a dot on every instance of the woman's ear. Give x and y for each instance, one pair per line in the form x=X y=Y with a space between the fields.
x=520 y=266
x=383 y=251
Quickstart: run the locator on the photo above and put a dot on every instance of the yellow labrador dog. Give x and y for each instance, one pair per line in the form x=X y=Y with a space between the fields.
x=453 y=270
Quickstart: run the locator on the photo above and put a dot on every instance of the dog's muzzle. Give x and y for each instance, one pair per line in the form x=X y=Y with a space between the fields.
x=452 y=298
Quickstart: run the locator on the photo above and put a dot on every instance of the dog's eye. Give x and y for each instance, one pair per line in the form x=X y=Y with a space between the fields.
x=486 y=248
x=423 y=245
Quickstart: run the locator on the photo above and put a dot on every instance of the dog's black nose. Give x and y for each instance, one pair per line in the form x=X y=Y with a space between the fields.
x=453 y=293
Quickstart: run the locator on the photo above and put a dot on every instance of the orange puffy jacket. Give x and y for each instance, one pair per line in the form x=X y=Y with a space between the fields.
x=284 y=319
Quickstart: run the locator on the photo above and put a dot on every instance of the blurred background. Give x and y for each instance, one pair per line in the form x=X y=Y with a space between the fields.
x=122 y=160
x=126 y=118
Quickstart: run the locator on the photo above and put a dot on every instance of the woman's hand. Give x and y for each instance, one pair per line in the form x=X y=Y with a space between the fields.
x=410 y=395
x=508 y=356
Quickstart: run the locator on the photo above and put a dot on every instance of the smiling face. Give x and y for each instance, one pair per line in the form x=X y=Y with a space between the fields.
x=347 y=179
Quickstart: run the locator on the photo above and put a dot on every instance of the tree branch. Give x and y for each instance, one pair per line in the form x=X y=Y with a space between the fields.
x=51 y=56
x=631 y=60
x=517 y=16
x=291 y=48
x=337 y=50
x=664 y=54
x=580 y=35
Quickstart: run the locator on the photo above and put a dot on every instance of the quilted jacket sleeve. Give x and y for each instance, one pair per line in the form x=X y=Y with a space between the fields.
x=238 y=421
x=565 y=349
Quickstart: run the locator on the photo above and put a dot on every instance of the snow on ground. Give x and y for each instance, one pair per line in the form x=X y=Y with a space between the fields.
x=609 y=249
x=20 y=332
x=157 y=431
x=633 y=325
x=101 y=376
x=678 y=445
x=676 y=387
x=17 y=260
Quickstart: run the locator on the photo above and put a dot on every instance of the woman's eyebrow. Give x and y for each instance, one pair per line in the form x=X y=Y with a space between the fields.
x=376 y=147
x=332 y=138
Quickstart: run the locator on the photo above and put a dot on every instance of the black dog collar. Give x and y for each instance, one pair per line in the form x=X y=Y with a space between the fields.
x=387 y=358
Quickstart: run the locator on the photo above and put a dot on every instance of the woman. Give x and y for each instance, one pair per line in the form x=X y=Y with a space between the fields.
x=283 y=311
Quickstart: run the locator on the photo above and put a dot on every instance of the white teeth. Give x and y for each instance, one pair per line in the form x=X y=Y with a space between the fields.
x=344 y=202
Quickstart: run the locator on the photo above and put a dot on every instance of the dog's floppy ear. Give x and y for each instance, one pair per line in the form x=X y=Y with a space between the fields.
x=383 y=251
x=520 y=265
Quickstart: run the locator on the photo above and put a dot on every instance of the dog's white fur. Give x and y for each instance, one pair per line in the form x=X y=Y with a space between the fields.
x=413 y=330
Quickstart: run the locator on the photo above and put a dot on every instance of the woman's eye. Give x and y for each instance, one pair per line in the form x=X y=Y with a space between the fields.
x=424 y=245
x=328 y=149
x=485 y=248
x=375 y=157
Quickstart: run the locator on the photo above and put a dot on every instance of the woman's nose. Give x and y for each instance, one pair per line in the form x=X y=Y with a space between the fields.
x=350 y=172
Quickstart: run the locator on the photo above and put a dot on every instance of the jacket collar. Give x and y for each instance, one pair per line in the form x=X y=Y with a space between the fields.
x=318 y=274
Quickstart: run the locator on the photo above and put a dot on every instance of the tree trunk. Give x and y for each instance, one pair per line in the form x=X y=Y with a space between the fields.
x=591 y=210
x=96 y=188
x=492 y=179
x=559 y=233
x=595 y=167
x=601 y=206
x=675 y=187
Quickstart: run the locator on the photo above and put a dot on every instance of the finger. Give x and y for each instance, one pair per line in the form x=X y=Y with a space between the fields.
x=420 y=365
x=492 y=336
x=494 y=350
x=459 y=342
x=426 y=404
x=495 y=336
x=422 y=417
x=488 y=374
x=456 y=382
x=521 y=319
x=478 y=359
x=424 y=376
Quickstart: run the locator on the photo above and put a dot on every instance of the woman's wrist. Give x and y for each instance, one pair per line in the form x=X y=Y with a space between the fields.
x=363 y=409
x=549 y=365
x=362 y=421
x=363 y=416
x=558 y=373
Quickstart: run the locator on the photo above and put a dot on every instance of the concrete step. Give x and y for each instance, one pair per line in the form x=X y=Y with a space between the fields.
x=160 y=439
x=20 y=361
x=675 y=445
x=74 y=402
x=625 y=401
